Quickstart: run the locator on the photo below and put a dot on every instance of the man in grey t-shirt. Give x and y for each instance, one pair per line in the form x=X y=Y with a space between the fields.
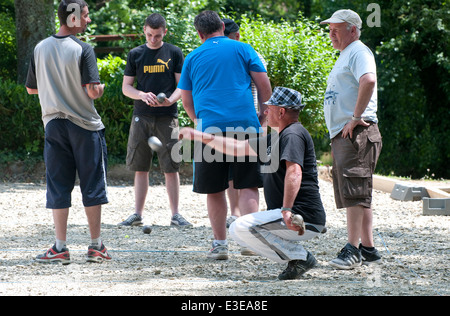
x=63 y=72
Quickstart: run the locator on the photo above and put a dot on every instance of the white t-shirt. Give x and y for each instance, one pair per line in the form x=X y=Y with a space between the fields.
x=354 y=61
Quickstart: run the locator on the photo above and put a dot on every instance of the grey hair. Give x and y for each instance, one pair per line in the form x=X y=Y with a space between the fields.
x=358 y=31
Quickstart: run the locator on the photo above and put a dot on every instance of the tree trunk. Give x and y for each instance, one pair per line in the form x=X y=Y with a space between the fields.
x=35 y=20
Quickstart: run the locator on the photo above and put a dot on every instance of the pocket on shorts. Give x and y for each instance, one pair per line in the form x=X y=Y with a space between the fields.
x=356 y=182
x=130 y=155
x=374 y=134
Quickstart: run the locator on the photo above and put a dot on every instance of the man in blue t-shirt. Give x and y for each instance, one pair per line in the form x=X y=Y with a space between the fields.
x=216 y=91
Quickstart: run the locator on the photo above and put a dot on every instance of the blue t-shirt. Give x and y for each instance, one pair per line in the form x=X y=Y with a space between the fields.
x=218 y=74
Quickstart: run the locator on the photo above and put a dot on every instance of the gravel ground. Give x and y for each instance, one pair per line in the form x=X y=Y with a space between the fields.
x=170 y=261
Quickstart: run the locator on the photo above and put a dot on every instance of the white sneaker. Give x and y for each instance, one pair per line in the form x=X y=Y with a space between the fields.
x=218 y=252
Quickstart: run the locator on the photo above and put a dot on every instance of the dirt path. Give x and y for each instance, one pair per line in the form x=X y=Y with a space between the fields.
x=169 y=261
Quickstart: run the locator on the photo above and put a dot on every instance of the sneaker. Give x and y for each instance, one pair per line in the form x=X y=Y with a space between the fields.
x=348 y=258
x=230 y=220
x=296 y=268
x=178 y=220
x=218 y=252
x=369 y=256
x=52 y=255
x=133 y=220
x=97 y=255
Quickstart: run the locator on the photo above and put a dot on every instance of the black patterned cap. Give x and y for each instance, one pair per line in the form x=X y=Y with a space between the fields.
x=286 y=98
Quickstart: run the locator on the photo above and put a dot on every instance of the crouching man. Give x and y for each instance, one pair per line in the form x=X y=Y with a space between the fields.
x=295 y=210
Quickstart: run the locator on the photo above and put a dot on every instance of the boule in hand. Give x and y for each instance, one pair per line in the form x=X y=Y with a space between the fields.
x=297 y=220
x=161 y=97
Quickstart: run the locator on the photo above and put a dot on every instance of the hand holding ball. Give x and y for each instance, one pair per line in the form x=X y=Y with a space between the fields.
x=298 y=221
x=161 y=97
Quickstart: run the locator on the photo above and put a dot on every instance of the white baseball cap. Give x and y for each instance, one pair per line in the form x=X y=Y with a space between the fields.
x=342 y=16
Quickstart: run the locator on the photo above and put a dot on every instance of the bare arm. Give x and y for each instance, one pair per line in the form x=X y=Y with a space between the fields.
x=226 y=145
x=32 y=91
x=176 y=95
x=292 y=183
x=264 y=89
x=188 y=104
x=130 y=91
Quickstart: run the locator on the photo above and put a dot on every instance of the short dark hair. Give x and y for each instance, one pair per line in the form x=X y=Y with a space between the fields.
x=156 y=21
x=64 y=11
x=208 y=22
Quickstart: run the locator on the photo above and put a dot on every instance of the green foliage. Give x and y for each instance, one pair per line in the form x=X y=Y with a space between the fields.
x=414 y=81
x=411 y=49
x=298 y=56
x=114 y=108
x=8 y=49
x=21 y=125
x=124 y=18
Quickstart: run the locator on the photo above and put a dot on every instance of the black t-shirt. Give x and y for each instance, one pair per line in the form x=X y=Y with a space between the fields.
x=293 y=144
x=155 y=71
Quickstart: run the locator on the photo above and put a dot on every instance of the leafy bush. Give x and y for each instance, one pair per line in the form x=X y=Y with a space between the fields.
x=21 y=126
x=8 y=60
x=414 y=81
x=298 y=56
x=114 y=108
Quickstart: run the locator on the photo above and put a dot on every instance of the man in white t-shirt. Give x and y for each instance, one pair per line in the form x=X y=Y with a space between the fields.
x=350 y=109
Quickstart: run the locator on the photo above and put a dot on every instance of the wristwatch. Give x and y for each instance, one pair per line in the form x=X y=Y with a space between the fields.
x=356 y=118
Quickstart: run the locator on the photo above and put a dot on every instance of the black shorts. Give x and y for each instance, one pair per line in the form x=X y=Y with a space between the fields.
x=213 y=170
x=68 y=149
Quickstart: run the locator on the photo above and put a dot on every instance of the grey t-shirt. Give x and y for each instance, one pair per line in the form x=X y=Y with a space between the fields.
x=60 y=69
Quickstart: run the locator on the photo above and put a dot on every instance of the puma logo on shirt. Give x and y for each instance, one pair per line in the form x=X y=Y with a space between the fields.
x=157 y=68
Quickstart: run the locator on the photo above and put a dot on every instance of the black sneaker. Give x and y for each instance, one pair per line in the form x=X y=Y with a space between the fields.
x=180 y=221
x=369 y=256
x=133 y=220
x=348 y=258
x=296 y=268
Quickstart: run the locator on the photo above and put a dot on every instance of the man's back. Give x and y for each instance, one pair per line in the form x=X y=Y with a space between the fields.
x=61 y=67
x=218 y=74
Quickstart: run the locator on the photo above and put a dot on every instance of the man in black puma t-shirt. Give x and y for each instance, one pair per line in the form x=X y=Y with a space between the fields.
x=156 y=66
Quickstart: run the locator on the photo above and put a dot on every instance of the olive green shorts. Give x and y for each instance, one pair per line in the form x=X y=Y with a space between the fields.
x=354 y=162
x=139 y=153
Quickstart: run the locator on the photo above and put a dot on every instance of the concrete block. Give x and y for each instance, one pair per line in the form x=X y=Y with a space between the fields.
x=436 y=206
x=408 y=192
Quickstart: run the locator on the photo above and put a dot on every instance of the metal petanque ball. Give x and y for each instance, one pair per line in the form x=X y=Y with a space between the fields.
x=161 y=97
x=154 y=143
x=147 y=229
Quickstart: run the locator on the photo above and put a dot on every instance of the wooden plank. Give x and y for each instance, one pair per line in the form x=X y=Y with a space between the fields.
x=437 y=192
x=108 y=38
x=384 y=184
